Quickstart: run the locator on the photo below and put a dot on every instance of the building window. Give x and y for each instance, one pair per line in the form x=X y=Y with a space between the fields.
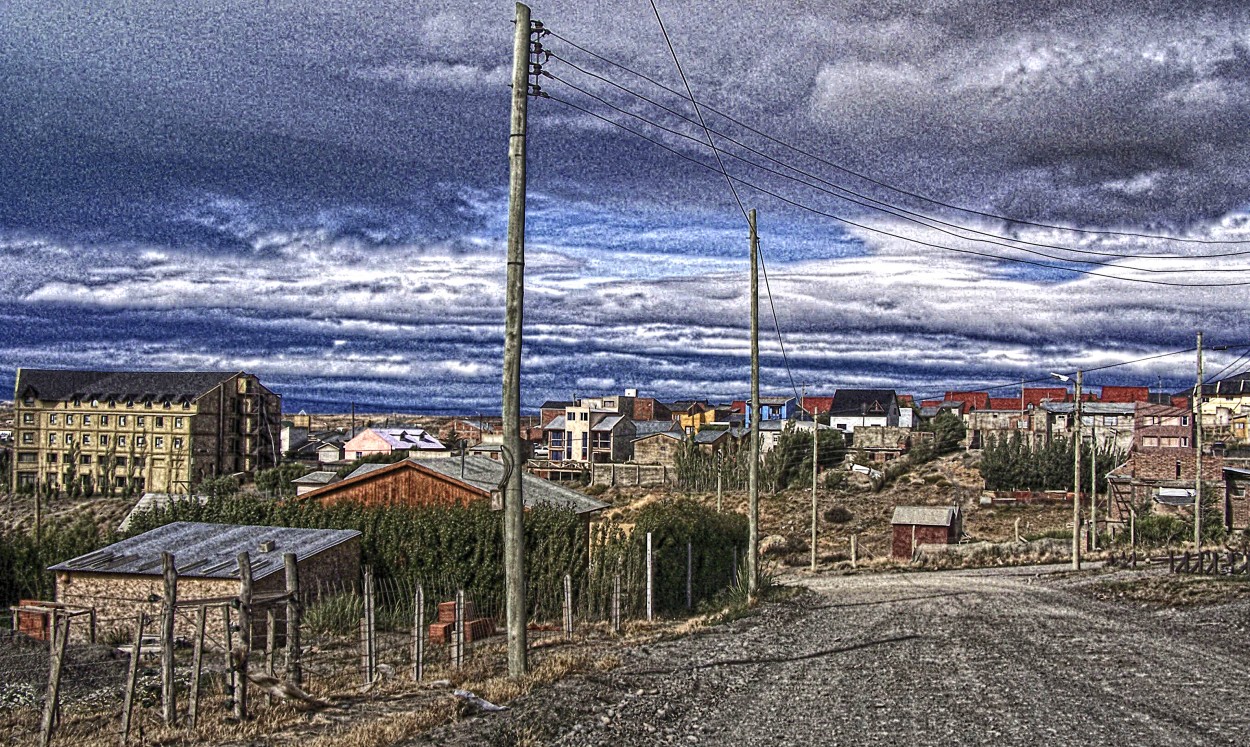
x=86 y=439
x=1178 y=471
x=121 y=461
x=77 y=403
x=52 y=418
x=1184 y=420
x=121 y=421
x=86 y=419
x=1184 y=442
x=28 y=437
x=186 y=405
x=28 y=418
x=1150 y=442
x=69 y=438
x=140 y=421
x=51 y=457
x=51 y=438
x=86 y=459
x=104 y=440
x=50 y=479
x=121 y=440
x=69 y=419
x=147 y=403
x=160 y=442
x=177 y=422
x=140 y=441
x=160 y=422
x=130 y=403
x=95 y=403
x=177 y=443
x=104 y=420
x=167 y=404
x=27 y=457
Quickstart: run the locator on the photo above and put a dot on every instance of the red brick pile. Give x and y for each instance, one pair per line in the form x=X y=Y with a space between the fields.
x=475 y=628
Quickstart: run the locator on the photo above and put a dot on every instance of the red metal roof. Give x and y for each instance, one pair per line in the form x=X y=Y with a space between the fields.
x=1125 y=394
x=1036 y=396
x=818 y=404
x=1005 y=403
x=971 y=400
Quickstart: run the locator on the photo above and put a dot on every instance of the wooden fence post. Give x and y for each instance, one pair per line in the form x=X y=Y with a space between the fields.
x=457 y=636
x=51 y=704
x=271 y=642
x=132 y=677
x=568 y=607
x=232 y=671
x=616 y=603
x=689 y=576
x=169 y=707
x=418 y=634
x=294 y=669
x=366 y=629
x=245 y=635
x=734 y=580
x=371 y=641
x=854 y=550
x=650 y=581
x=197 y=663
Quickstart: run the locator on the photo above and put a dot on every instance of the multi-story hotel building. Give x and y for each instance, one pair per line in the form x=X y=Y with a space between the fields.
x=140 y=430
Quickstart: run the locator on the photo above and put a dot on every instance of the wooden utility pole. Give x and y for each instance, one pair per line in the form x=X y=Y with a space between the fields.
x=815 y=444
x=1076 y=476
x=245 y=636
x=169 y=711
x=753 y=475
x=1093 y=487
x=514 y=507
x=294 y=668
x=1197 y=408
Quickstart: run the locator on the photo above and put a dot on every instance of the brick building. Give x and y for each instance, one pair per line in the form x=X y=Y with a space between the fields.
x=1162 y=458
x=119 y=580
x=140 y=430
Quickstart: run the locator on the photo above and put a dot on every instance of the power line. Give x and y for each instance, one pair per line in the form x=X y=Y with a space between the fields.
x=728 y=180
x=884 y=206
x=899 y=190
x=891 y=234
x=906 y=214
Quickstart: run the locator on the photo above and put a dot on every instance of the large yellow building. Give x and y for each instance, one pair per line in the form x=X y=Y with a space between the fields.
x=140 y=431
x=1226 y=410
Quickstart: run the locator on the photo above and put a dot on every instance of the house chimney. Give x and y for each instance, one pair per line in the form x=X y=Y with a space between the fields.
x=268 y=546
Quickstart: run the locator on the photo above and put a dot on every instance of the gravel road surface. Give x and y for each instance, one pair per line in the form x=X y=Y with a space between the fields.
x=1003 y=657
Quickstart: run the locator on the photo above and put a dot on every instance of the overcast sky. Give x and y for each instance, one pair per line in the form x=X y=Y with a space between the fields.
x=316 y=192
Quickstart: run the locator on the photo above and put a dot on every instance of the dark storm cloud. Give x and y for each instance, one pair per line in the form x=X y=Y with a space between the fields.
x=316 y=191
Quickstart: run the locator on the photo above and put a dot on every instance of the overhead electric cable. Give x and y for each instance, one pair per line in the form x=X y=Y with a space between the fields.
x=890 y=233
x=728 y=180
x=906 y=214
x=899 y=190
x=886 y=207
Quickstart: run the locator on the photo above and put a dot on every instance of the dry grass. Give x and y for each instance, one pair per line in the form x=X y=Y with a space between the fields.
x=1174 y=590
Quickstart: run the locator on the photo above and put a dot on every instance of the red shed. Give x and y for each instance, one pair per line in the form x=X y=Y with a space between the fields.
x=921 y=525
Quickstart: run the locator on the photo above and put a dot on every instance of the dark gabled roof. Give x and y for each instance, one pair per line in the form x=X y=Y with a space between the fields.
x=486 y=474
x=552 y=404
x=648 y=427
x=61 y=384
x=856 y=401
x=710 y=435
x=1239 y=384
x=207 y=550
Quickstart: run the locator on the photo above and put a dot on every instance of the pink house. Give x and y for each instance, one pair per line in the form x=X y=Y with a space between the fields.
x=412 y=439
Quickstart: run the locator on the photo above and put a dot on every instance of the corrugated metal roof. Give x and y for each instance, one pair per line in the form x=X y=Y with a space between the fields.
x=151 y=501
x=207 y=550
x=663 y=434
x=486 y=474
x=1092 y=408
x=928 y=516
x=556 y=424
x=316 y=478
x=709 y=435
x=365 y=469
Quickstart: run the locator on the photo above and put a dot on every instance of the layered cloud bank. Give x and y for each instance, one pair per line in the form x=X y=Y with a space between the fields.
x=316 y=194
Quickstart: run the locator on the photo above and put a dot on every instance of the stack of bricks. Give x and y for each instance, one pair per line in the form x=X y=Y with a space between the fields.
x=475 y=628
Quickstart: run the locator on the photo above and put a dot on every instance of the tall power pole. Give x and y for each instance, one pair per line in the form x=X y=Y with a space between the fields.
x=815 y=444
x=514 y=506
x=753 y=475
x=1076 y=480
x=1197 y=408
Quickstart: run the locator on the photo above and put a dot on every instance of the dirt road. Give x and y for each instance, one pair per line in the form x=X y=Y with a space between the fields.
x=1004 y=657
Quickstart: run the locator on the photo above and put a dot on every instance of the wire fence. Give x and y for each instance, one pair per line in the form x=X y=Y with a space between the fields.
x=195 y=661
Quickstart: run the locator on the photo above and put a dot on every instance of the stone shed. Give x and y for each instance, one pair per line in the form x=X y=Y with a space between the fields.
x=125 y=578
x=924 y=525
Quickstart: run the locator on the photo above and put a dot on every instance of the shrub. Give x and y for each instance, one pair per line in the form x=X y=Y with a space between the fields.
x=838 y=515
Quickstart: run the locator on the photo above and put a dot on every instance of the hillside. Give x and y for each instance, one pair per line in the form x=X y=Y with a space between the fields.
x=948 y=480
